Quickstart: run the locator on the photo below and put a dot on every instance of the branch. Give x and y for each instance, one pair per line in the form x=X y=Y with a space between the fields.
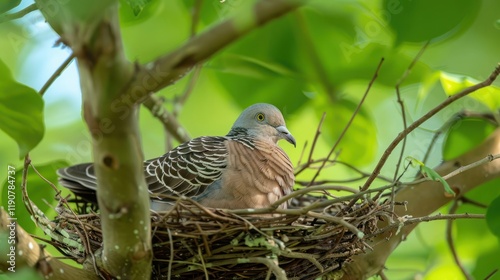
x=168 y=69
x=403 y=115
x=423 y=199
x=417 y=123
x=95 y=39
x=451 y=243
x=20 y=14
x=169 y=121
x=28 y=253
x=405 y=221
x=56 y=74
x=375 y=75
x=461 y=169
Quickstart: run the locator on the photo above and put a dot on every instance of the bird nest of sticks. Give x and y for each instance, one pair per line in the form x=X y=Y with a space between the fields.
x=311 y=239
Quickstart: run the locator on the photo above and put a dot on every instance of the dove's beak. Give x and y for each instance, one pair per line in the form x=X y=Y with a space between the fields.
x=285 y=134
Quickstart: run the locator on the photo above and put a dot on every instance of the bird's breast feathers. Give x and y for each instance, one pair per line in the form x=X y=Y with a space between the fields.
x=264 y=169
x=246 y=167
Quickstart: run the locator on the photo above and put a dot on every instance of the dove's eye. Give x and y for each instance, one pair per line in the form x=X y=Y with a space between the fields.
x=260 y=117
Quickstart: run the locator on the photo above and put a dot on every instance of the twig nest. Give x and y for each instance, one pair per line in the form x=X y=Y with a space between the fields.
x=192 y=242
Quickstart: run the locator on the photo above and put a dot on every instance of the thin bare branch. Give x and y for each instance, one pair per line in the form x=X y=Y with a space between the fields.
x=20 y=14
x=405 y=221
x=168 y=69
x=459 y=116
x=375 y=75
x=169 y=121
x=313 y=146
x=428 y=115
x=491 y=274
x=56 y=74
x=451 y=243
x=28 y=254
x=195 y=16
x=487 y=159
x=403 y=115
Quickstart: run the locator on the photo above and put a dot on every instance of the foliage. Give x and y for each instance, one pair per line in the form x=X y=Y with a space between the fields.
x=22 y=123
x=317 y=60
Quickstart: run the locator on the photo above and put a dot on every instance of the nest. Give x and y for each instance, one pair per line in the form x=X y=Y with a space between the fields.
x=310 y=240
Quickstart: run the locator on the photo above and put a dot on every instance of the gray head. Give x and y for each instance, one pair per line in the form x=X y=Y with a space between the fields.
x=263 y=121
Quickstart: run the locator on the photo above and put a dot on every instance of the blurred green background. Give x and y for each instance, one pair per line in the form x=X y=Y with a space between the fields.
x=317 y=59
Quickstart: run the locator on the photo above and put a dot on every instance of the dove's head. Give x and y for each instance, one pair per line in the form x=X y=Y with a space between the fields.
x=263 y=120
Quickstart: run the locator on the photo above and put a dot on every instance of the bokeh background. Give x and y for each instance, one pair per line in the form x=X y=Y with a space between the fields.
x=315 y=60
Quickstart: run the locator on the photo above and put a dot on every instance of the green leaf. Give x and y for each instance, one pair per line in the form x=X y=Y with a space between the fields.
x=137 y=6
x=269 y=73
x=6 y=5
x=134 y=14
x=351 y=50
x=39 y=191
x=415 y=162
x=464 y=135
x=424 y=20
x=431 y=174
x=493 y=216
x=261 y=81
x=21 y=108
x=453 y=84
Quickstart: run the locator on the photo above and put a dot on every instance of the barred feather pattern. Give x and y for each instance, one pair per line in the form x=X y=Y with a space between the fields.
x=240 y=170
x=189 y=168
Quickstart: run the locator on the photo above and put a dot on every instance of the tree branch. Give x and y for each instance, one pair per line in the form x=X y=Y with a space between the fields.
x=168 y=69
x=423 y=199
x=20 y=14
x=169 y=121
x=28 y=253
x=424 y=118
x=92 y=30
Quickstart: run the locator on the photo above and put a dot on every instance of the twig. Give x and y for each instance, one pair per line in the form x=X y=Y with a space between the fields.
x=491 y=274
x=487 y=159
x=76 y=218
x=195 y=18
x=375 y=75
x=277 y=271
x=348 y=165
x=155 y=106
x=336 y=188
x=459 y=116
x=417 y=123
x=203 y=265
x=338 y=220
x=438 y=133
x=24 y=188
x=315 y=140
x=299 y=161
x=170 y=68
x=20 y=14
x=273 y=208
x=382 y=276
x=169 y=274
x=451 y=244
x=56 y=74
x=179 y=102
x=469 y=201
x=403 y=115
x=409 y=221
